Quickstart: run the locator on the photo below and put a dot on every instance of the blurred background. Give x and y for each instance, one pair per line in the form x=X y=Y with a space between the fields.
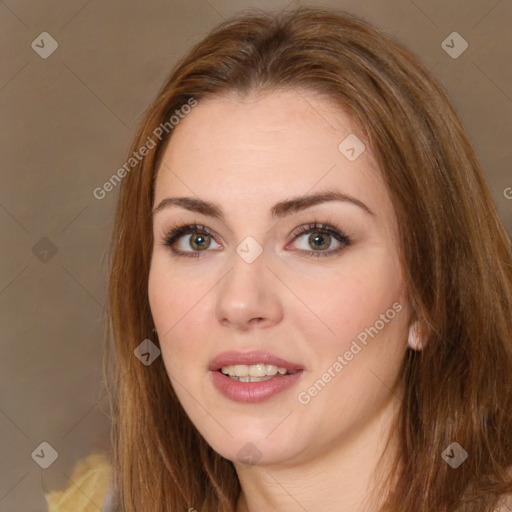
x=75 y=77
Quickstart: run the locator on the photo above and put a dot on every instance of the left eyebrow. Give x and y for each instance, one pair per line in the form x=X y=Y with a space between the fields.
x=279 y=210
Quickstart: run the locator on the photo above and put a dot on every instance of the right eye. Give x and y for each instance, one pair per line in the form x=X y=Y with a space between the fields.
x=192 y=240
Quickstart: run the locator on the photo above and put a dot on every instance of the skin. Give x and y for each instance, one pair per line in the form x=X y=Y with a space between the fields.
x=246 y=154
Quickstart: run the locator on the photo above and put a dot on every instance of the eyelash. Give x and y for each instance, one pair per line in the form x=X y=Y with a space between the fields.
x=177 y=231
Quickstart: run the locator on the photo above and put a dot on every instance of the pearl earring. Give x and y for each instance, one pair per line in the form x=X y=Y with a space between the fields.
x=416 y=341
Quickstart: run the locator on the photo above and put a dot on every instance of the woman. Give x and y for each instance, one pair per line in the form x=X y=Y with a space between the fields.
x=311 y=288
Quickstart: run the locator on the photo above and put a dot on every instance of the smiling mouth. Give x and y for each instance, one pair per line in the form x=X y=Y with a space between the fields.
x=254 y=372
x=253 y=377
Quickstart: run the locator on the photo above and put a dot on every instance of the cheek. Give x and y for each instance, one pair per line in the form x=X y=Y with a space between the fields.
x=178 y=305
x=367 y=315
x=357 y=358
x=350 y=300
x=173 y=296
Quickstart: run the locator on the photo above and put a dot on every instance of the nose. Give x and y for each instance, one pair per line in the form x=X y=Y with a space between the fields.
x=249 y=296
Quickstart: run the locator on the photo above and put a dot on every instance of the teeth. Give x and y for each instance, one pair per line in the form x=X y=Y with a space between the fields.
x=251 y=379
x=253 y=370
x=240 y=370
x=271 y=369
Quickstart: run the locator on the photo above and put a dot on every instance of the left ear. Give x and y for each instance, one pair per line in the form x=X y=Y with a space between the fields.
x=416 y=340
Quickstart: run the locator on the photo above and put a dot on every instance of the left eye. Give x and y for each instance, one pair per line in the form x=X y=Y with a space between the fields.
x=320 y=237
x=318 y=240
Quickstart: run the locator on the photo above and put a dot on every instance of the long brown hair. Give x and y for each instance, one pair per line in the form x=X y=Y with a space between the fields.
x=455 y=252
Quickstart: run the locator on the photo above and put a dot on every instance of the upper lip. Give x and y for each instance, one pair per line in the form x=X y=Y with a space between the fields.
x=249 y=358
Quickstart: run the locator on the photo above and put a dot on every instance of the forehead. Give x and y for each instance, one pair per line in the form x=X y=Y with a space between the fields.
x=263 y=146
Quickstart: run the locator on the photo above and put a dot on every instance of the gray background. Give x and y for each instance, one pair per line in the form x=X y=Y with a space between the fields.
x=66 y=124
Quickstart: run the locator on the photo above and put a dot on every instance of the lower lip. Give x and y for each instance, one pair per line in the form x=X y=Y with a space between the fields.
x=253 y=391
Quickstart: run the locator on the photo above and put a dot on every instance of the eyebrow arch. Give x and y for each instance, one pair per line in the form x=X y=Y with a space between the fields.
x=279 y=210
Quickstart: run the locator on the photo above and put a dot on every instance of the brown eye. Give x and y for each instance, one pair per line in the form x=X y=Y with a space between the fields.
x=321 y=237
x=189 y=240
x=199 y=242
x=319 y=240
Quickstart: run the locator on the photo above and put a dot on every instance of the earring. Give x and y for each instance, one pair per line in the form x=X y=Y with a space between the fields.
x=416 y=338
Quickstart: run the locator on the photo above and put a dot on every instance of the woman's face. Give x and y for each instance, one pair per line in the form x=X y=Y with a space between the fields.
x=327 y=304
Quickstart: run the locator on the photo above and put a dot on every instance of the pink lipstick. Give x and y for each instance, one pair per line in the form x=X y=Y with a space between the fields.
x=252 y=376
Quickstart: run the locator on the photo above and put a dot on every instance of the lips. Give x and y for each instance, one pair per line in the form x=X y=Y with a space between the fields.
x=253 y=391
x=250 y=358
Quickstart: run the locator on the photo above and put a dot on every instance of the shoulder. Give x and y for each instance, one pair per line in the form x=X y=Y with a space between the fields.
x=89 y=487
x=505 y=504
